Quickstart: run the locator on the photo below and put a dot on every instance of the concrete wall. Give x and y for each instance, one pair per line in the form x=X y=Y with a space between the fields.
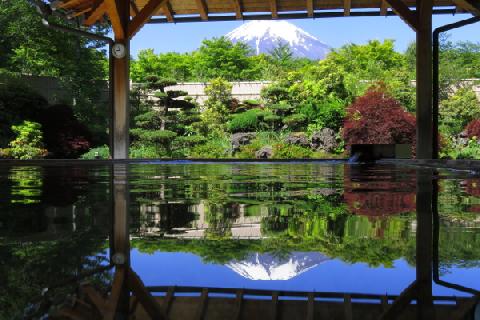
x=245 y=90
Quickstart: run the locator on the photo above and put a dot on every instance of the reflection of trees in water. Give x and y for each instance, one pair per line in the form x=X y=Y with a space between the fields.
x=29 y=267
x=54 y=223
x=379 y=191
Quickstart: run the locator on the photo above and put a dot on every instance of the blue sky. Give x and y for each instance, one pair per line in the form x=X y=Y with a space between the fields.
x=185 y=37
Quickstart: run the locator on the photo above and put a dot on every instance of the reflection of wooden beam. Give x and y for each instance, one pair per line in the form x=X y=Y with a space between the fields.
x=144 y=15
x=384 y=8
x=405 y=13
x=114 y=16
x=310 y=8
x=401 y=302
x=469 y=5
x=202 y=9
x=237 y=4
x=347 y=6
x=274 y=9
x=167 y=9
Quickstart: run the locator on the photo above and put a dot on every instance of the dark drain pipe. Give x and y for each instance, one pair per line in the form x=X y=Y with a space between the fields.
x=436 y=81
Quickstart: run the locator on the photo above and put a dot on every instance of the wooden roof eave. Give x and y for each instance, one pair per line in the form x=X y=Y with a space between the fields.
x=168 y=11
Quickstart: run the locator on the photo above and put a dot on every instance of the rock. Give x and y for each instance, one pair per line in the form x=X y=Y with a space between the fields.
x=241 y=139
x=297 y=138
x=325 y=140
x=265 y=152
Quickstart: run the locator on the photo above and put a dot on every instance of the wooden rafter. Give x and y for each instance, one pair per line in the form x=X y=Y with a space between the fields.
x=115 y=20
x=384 y=8
x=347 y=7
x=274 y=9
x=310 y=8
x=237 y=5
x=99 y=9
x=405 y=13
x=202 y=9
x=69 y=4
x=168 y=11
x=134 y=8
x=472 y=6
x=144 y=15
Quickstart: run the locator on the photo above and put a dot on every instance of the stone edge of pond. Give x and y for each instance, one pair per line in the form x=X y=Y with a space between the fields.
x=11 y=162
x=469 y=165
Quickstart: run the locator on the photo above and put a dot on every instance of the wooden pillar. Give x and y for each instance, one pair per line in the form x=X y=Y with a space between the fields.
x=121 y=86
x=424 y=244
x=424 y=80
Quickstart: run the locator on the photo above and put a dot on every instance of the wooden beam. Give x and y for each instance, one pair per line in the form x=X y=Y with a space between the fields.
x=96 y=14
x=150 y=305
x=401 y=302
x=347 y=7
x=469 y=5
x=168 y=11
x=202 y=9
x=115 y=20
x=237 y=5
x=310 y=8
x=144 y=15
x=274 y=9
x=134 y=8
x=384 y=8
x=69 y=4
x=404 y=12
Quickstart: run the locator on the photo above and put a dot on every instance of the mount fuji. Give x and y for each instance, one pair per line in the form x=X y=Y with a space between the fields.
x=264 y=36
x=264 y=266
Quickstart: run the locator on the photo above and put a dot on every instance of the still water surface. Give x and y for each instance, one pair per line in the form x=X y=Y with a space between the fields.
x=315 y=226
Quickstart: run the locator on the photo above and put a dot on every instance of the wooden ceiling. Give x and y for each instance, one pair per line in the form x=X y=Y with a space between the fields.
x=176 y=11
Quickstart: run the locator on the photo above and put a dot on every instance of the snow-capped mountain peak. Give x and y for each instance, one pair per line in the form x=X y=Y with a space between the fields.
x=264 y=36
x=264 y=266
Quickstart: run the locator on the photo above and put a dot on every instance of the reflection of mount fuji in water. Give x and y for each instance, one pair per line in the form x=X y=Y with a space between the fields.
x=264 y=266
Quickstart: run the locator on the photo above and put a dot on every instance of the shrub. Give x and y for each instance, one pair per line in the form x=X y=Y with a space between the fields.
x=64 y=135
x=290 y=151
x=294 y=120
x=377 y=118
x=146 y=152
x=328 y=113
x=215 y=148
x=458 y=110
x=17 y=103
x=245 y=121
x=471 y=151
x=473 y=129
x=102 y=152
x=28 y=143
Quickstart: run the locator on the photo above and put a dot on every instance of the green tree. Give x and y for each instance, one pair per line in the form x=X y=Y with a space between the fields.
x=29 y=48
x=216 y=108
x=219 y=57
x=28 y=143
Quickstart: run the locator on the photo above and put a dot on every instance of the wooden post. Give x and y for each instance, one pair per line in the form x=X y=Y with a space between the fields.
x=121 y=84
x=424 y=244
x=424 y=79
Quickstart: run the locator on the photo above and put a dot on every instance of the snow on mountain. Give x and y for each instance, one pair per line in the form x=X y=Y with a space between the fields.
x=264 y=36
x=259 y=266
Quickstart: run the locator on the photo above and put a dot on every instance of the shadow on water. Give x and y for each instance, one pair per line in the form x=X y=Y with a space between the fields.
x=237 y=224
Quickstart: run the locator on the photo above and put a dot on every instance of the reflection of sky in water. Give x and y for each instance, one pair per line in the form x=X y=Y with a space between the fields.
x=186 y=269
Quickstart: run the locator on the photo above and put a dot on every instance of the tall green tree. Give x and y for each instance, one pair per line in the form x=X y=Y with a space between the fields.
x=29 y=48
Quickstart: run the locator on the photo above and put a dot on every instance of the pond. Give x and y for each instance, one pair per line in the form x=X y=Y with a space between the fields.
x=299 y=226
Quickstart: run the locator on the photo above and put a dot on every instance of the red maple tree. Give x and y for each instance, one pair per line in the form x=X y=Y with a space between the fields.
x=377 y=118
